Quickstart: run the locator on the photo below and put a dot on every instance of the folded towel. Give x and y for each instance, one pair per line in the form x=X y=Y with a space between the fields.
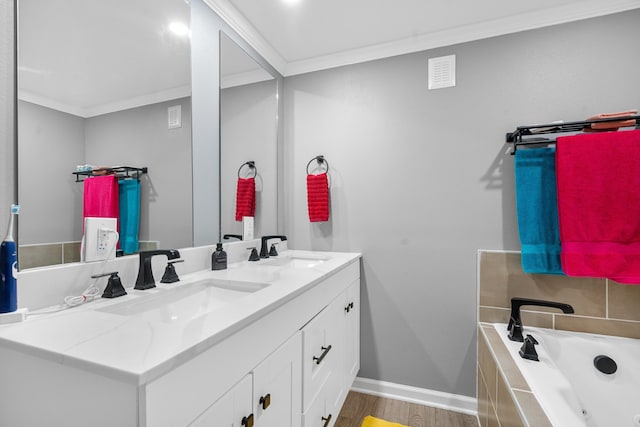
x=101 y=199
x=370 y=421
x=614 y=125
x=129 y=215
x=318 y=197
x=245 y=198
x=537 y=209
x=599 y=204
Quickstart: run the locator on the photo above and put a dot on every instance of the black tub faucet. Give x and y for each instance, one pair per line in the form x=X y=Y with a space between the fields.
x=145 y=273
x=515 y=322
x=264 y=253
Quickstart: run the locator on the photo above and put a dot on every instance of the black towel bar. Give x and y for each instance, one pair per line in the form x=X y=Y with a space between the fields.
x=516 y=137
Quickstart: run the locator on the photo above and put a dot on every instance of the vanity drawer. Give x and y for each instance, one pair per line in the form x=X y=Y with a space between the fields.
x=321 y=351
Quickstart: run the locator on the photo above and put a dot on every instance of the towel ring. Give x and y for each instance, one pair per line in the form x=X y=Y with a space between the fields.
x=321 y=160
x=252 y=167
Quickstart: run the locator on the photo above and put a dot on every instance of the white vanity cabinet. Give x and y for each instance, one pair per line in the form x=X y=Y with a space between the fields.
x=331 y=357
x=267 y=397
x=272 y=367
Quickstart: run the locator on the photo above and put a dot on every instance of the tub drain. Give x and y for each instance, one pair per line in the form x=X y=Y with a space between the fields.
x=605 y=364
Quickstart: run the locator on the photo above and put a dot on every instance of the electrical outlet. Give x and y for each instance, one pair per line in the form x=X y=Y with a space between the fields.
x=99 y=238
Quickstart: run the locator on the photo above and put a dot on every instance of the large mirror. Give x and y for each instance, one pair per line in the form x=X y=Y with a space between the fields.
x=102 y=83
x=99 y=83
x=248 y=133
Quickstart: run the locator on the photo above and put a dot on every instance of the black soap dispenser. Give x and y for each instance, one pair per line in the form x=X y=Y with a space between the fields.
x=219 y=258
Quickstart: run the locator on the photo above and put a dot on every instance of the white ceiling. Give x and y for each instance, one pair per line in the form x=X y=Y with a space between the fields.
x=89 y=57
x=299 y=36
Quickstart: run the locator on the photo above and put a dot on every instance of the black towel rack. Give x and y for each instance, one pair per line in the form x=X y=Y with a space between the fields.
x=532 y=132
x=321 y=162
x=121 y=172
x=252 y=168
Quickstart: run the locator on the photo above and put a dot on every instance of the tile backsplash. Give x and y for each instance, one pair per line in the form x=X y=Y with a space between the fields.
x=601 y=306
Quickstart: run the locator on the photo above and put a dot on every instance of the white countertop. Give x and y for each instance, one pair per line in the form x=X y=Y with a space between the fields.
x=137 y=348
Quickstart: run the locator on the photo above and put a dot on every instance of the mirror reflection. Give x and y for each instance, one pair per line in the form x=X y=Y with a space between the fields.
x=248 y=133
x=99 y=84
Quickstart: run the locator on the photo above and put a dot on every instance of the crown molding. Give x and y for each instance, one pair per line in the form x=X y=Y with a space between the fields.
x=229 y=14
x=483 y=30
x=125 y=104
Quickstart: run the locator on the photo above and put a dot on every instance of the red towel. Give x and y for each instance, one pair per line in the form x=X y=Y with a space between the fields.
x=101 y=198
x=318 y=197
x=598 y=181
x=245 y=198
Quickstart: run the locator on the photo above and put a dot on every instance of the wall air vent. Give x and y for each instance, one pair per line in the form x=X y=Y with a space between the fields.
x=174 y=114
x=442 y=72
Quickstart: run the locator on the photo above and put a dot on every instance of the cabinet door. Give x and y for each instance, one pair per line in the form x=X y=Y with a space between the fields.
x=231 y=409
x=315 y=356
x=277 y=386
x=352 y=331
x=321 y=411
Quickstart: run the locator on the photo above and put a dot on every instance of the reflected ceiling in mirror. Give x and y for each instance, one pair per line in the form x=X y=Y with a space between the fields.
x=248 y=132
x=96 y=82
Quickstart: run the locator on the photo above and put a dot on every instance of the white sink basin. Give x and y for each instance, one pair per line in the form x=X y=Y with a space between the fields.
x=184 y=302
x=295 y=261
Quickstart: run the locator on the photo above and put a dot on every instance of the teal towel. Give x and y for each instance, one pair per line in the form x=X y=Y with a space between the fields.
x=129 y=190
x=537 y=208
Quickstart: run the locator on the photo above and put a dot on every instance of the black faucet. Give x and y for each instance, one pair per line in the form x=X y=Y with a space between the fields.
x=264 y=253
x=145 y=274
x=515 y=322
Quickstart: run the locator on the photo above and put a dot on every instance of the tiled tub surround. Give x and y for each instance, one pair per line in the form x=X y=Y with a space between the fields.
x=601 y=306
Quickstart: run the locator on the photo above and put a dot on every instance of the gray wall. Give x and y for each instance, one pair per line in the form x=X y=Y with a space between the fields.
x=7 y=129
x=51 y=145
x=139 y=137
x=420 y=180
x=248 y=132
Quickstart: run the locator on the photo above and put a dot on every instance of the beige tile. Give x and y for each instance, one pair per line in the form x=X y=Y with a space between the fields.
x=487 y=365
x=501 y=278
x=149 y=246
x=506 y=409
x=530 y=318
x=624 y=301
x=599 y=326
x=531 y=409
x=71 y=252
x=483 y=399
x=31 y=256
x=504 y=360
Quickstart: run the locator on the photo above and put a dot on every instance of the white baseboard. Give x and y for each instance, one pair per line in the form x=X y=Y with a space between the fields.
x=451 y=402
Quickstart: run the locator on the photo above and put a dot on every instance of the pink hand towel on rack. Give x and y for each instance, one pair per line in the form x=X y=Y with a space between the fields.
x=101 y=198
x=245 y=198
x=318 y=197
x=598 y=182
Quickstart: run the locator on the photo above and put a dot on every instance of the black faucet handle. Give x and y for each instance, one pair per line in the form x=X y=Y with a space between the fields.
x=528 y=349
x=515 y=330
x=273 y=251
x=254 y=254
x=114 y=286
x=170 y=275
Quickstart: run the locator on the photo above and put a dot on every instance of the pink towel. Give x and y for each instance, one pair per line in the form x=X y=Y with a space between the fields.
x=598 y=181
x=101 y=198
x=245 y=198
x=318 y=197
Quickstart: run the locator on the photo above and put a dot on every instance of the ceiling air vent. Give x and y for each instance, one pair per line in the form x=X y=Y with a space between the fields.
x=442 y=72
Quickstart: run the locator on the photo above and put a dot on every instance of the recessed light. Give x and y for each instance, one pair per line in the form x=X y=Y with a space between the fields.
x=179 y=28
x=291 y=1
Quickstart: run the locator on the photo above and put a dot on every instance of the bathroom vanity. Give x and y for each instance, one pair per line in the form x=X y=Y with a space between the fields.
x=270 y=343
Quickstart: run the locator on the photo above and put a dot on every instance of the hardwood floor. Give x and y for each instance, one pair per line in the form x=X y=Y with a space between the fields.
x=359 y=405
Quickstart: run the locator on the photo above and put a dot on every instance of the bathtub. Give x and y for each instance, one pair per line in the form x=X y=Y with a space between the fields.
x=569 y=387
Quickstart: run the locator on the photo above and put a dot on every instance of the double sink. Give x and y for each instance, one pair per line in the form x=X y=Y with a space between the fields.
x=203 y=292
